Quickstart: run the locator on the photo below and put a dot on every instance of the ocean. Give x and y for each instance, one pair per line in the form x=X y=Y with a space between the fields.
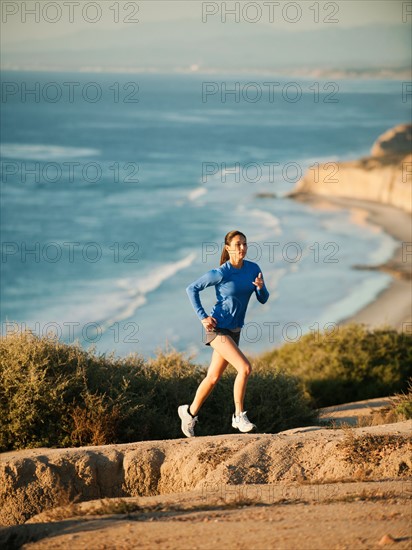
x=117 y=191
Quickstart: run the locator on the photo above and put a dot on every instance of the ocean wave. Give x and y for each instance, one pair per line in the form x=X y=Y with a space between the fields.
x=266 y=219
x=132 y=293
x=268 y=170
x=106 y=125
x=99 y=305
x=196 y=193
x=178 y=117
x=217 y=112
x=44 y=152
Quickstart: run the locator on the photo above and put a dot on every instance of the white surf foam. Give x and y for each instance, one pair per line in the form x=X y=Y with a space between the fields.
x=133 y=293
x=113 y=302
x=185 y=118
x=267 y=219
x=44 y=152
x=357 y=298
x=196 y=193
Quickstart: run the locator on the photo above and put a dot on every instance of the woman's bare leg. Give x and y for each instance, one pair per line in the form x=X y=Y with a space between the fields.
x=228 y=349
x=214 y=372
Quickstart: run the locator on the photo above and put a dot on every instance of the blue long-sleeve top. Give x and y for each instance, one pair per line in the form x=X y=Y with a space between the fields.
x=234 y=288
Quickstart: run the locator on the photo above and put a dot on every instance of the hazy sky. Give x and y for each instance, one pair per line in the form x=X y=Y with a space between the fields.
x=14 y=29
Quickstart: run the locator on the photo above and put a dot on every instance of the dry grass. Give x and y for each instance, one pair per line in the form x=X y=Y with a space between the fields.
x=402 y=403
x=400 y=409
x=370 y=449
x=368 y=496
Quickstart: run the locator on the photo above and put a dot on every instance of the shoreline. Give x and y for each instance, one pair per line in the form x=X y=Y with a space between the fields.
x=393 y=305
x=392 y=75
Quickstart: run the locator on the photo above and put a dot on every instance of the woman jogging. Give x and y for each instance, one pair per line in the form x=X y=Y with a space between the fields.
x=235 y=281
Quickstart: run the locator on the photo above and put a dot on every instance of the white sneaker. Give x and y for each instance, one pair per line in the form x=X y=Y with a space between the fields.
x=188 y=422
x=242 y=423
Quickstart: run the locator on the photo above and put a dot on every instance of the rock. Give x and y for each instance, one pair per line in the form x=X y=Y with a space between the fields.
x=396 y=141
x=386 y=539
x=385 y=177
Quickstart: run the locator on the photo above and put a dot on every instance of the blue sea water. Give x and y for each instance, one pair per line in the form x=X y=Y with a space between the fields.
x=112 y=205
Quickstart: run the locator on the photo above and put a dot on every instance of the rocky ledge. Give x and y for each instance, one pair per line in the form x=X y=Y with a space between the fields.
x=385 y=176
x=35 y=480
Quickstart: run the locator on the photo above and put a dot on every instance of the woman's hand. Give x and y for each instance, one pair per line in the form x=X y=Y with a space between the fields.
x=258 y=282
x=209 y=323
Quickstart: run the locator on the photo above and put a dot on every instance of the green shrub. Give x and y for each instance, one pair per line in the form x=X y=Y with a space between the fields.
x=53 y=394
x=57 y=395
x=274 y=400
x=402 y=403
x=349 y=364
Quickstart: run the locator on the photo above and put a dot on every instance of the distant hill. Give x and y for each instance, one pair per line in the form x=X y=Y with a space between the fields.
x=230 y=46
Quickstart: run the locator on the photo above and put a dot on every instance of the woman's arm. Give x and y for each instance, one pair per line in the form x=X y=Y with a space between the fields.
x=262 y=293
x=212 y=277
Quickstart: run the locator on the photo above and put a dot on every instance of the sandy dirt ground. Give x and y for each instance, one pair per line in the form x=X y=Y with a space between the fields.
x=332 y=516
x=354 y=414
x=296 y=515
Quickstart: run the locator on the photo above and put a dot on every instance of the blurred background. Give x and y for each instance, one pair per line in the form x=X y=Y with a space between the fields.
x=135 y=135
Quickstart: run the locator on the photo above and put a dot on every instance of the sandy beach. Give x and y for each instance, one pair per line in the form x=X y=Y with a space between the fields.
x=393 y=306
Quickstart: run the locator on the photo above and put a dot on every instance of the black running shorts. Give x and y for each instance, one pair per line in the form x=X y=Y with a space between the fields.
x=210 y=335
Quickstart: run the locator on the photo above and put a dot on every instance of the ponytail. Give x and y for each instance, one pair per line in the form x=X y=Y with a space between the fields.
x=228 y=239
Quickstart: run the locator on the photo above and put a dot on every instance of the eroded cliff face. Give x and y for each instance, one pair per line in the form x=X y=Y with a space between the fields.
x=385 y=176
x=35 y=480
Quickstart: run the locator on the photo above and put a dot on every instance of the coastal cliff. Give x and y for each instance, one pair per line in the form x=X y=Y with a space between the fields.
x=385 y=176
